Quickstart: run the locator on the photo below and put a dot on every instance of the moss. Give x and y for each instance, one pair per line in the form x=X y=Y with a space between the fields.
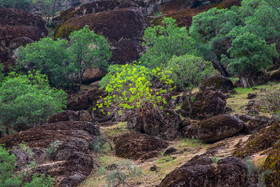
x=272 y=164
x=228 y=4
x=259 y=141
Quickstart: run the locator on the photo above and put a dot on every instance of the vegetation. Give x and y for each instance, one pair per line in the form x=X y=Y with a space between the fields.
x=18 y=4
x=65 y=62
x=9 y=177
x=164 y=41
x=270 y=102
x=28 y=99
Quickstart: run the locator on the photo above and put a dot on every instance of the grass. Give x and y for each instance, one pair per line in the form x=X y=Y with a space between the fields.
x=115 y=130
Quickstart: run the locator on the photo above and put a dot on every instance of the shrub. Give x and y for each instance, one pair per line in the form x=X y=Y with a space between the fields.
x=1 y=72
x=270 y=102
x=18 y=4
x=164 y=41
x=130 y=87
x=10 y=178
x=28 y=99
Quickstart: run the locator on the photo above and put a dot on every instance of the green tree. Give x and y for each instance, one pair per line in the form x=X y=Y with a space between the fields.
x=187 y=72
x=28 y=99
x=10 y=178
x=51 y=58
x=48 y=8
x=18 y=4
x=248 y=55
x=89 y=50
x=164 y=41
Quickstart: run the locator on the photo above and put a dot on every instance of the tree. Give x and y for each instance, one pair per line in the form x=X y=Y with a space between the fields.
x=88 y=50
x=48 y=8
x=248 y=55
x=65 y=62
x=18 y=4
x=28 y=100
x=51 y=58
x=164 y=41
x=187 y=72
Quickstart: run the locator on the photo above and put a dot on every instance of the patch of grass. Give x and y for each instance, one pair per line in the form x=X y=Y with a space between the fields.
x=115 y=130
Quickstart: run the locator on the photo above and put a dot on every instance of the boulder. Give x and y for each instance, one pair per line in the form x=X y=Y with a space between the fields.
x=161 y=123
x=69 y=162
x=274 y=75
x=259 y=141
x=228 y=172
x=255 y=123
x=123 y=29
x=218 y=128
x=138 y=146
x=272 y=164
x=91 y=75
x=205 y=104
x=216 y=83
x=18 y=28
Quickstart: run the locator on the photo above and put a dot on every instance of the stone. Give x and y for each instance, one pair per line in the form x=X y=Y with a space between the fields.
x=138 y=146
x=251 y=96
x=170 y=151
x=91 y=75
x=216 y=83
x=199 y=172
x=205 y=104
x=218 y=128
x=161 y=123
x=259 y=141
x=69 y=115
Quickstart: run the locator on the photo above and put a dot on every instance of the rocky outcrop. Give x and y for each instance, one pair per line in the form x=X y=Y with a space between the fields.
x=161 y=123
x=255 y=123
x=205 y=104
x=69 y=161
x=18 y=28
x=69 y=115
x=216 y=83
x=138 y=146
x=259 y=141
x=123 y=29
x=230 y=171
x=218 y=128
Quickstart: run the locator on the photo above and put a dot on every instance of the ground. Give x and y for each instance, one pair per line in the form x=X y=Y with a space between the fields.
x=186 y=148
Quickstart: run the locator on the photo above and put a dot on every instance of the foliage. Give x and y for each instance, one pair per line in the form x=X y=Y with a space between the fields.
x=9 y=178
x=210 y=29
x=270 y=102
x=48 y=8
x=65 y=65
x=122 y=174
x=164 y=41
x=18 y=4
x=89 y=50
x=52 y=148
x=1 y=72
x=215 y=159
x=51 y=58
x=188 y=71
x=28 y=99
x=249 y=54
x=129 y=87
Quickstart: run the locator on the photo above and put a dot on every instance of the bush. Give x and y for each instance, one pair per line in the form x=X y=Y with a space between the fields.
x=130 y=87
x=10 y=178
x=164 y=41
x=28 y=99
x=270 y=102
x=64 y=63
x=1 y=72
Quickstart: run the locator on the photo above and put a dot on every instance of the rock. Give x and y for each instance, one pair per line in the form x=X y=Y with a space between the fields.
x=230 y=171
x=255 y=123
x=70 y=162
x=272 y=164
x=251 y=96
x=161 y=123
x=206 y=104
x=123 y=29
x=85 y=99
x=138 y=146
x=169 y=151
x=91 y=75
x=274 y=75
x=216 y=83
x=259 y=141
x=68 y=115
x=18 y=28
x=218 y=128
x=154 y=168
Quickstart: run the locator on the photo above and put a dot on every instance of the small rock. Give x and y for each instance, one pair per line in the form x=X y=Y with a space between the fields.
x=154 y=168
x=251 y=96
x=169 y=151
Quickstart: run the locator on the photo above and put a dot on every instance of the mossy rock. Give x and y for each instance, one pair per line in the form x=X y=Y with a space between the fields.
x=272 y=164
x=259 y=141
x=216 y=83
x=114 y=25
x=228 y=4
